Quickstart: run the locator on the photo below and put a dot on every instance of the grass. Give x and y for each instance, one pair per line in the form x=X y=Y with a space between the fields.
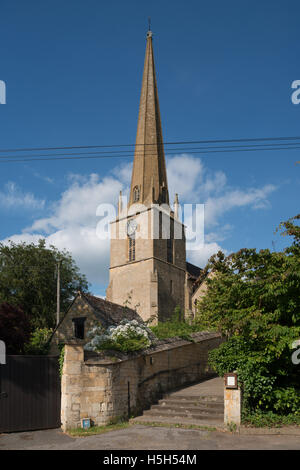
x=79 y=432
x=93 y=430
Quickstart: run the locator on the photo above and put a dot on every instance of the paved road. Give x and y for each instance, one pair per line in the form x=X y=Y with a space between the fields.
x=147 y=438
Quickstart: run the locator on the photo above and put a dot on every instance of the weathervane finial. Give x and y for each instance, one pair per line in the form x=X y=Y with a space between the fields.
x=149 y=32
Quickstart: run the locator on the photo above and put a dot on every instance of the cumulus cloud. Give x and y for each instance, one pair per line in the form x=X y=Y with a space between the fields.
x=77 y=205
x=256 y=198
x=185 y=173
x=71 y=221
x=12 y=197
x=203 y=252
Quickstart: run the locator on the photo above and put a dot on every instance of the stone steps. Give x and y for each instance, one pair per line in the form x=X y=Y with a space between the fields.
x=187 y=407
x=178 y=420
x=172 y=402
x=182 y=414
x=201 y=398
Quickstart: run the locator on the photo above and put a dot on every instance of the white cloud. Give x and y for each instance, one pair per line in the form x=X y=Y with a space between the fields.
x=71 y=221
x=185 y=173
x=77 y=205
x=14 y=198
x=123 y=173
x=200 y=256
x=43 y=178
x=256 y=198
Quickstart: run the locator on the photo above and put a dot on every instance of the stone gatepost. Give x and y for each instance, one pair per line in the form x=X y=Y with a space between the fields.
x=232 y=400
x=71 y=386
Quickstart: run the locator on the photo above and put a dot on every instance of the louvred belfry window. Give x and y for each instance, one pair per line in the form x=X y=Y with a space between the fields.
x=131 y=245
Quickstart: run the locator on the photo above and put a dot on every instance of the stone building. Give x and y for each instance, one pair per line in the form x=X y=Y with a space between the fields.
x=84 y=311
x=149 y=273
x=148 y=265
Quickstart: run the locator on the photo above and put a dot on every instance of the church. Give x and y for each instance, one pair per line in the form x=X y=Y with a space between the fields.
x=149 y=276
x=148 y=267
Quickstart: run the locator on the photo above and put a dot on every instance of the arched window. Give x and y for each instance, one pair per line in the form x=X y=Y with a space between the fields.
x=164 y=195
x=136 y=194
x=131 y=248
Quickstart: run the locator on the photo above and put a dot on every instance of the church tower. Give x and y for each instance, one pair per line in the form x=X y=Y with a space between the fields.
x=147 y=258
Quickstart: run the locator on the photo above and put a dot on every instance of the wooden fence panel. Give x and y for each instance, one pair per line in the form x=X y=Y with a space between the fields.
x=29 y=393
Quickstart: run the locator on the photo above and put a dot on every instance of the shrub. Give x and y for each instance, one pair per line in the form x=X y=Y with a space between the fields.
x=39 y=342
x=269 y=418
x=253 y=299
x=176 y=326
x=128 y=336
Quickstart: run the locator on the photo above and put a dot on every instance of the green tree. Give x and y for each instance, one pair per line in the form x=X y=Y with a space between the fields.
x=27 y=279
x=253 y=299
x=39 y=341
x=14 y=328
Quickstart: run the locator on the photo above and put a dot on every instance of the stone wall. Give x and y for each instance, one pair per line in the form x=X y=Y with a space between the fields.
x=101 y=388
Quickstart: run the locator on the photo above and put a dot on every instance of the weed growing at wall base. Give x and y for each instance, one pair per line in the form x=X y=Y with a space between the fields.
x=261 y=419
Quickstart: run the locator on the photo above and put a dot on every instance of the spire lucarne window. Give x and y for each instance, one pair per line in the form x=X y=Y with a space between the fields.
x=136 y=194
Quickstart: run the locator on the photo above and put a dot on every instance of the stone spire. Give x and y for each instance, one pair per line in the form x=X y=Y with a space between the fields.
x=149 y=176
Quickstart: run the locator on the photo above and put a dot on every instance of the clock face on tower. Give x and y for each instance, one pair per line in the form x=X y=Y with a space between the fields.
x=131 y=228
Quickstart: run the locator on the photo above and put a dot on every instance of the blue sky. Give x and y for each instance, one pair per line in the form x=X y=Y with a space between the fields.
x=73 y=73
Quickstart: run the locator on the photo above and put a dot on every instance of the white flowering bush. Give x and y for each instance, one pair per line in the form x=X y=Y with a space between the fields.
x=129 y=335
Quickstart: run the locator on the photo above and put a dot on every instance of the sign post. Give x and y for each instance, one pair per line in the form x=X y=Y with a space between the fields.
x=232 y=400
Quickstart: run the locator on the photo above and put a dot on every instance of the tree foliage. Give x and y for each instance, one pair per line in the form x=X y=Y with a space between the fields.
x=254 y=300
x=176 y=326
x=27 y=279
x=39 y=342
x=14 y=328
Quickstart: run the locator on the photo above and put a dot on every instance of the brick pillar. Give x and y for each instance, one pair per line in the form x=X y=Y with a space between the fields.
x=71 y=386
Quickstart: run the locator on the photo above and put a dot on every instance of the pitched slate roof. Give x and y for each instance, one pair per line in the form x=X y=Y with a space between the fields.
x=108 y=312
x=193 y=271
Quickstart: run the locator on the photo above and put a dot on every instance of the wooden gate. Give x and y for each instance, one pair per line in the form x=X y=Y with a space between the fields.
x=29 y=393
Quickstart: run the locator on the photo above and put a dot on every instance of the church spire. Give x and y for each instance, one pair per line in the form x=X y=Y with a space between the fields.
x=149 y=176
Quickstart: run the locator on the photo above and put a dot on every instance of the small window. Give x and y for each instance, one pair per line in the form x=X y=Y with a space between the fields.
x=136 y=194
x=79 y=327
